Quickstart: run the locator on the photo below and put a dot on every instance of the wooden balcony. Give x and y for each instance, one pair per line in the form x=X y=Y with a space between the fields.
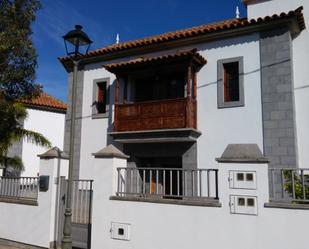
x=156 y=115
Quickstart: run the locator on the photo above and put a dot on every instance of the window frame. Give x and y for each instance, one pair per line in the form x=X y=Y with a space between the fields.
x=220 y=82
x=95 y=91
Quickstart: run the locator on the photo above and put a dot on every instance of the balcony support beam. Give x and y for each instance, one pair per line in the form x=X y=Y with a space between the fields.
x=116 y=104
x=188 y=105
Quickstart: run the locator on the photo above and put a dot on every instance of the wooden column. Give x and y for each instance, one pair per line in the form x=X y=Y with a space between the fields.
x=125 y=90
x=194 y=85
x=116 y=116
x=194 y=102
x=188 y=106
x=189 y=80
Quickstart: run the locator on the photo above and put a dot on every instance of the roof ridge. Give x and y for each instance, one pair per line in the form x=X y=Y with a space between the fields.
x=169 y=32
x=45 y=100
x=194 y=31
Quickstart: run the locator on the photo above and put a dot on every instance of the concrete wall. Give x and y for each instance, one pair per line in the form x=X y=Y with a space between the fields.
x=261 y=8
x=220 y=127
x=154 y=225
x=94 y=130
x=49 y=124
x=34 y=224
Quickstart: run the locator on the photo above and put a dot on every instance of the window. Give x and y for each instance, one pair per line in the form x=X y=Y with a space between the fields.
x=100 y=98
x=230 y=82
x=169 y=85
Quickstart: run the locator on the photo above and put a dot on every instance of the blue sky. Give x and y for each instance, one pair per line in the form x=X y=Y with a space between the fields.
x=103 y=19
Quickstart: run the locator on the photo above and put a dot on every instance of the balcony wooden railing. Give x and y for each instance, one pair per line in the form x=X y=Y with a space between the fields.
x=153 y=115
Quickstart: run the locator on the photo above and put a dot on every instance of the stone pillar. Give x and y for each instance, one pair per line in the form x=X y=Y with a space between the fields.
x=279 y=131
x=105 y=183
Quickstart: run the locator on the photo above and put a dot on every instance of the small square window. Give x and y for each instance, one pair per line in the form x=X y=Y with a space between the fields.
x=250 y=202
x=241 y=201
x=240 y=176
x=249 y=177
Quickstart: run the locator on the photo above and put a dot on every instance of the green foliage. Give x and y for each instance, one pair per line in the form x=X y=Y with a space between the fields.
x=300 y=192
x=18 y=62
x=18 y=59
x=11 y=130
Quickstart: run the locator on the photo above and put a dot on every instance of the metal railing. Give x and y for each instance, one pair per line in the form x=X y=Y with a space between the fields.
x=289 y=185
x=171 y=183
x=81 y=201
x=19 y=187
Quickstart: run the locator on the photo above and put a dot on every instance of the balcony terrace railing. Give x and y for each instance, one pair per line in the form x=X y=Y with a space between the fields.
x=169 y=183
x=19 y=187
x=152 y=115
x=289 y=185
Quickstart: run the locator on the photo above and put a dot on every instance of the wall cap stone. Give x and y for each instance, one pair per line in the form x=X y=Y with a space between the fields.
x=206 y=203
x=286 y=205
x=110 y=151
x=242 y=153
x=54 y=152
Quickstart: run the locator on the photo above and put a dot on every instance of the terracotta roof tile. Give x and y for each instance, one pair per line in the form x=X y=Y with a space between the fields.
x=195 y=31
x=47 y=101
x=200 y=60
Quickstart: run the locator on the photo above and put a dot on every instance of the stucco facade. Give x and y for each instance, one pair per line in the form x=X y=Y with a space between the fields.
x=276 y=125
x=51 y=125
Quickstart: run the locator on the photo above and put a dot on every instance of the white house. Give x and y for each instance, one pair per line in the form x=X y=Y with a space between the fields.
x=196 y=138
x=46 y=115
x=248 y=84
x=159 y=117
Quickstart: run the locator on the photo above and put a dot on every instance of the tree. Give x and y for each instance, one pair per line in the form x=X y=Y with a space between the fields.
x=18 y=58
x=13 y=131
x=18 y=61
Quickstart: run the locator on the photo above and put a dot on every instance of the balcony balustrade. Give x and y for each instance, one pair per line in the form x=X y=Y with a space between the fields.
x=154 y=115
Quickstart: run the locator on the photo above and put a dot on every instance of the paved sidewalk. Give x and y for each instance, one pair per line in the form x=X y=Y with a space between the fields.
x=9 y=247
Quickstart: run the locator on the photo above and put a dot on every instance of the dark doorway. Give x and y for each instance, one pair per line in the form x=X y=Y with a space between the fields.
x=165 y=174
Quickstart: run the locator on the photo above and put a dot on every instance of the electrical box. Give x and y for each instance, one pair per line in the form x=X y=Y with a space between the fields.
x=240 y=204
x=120 y=231
x=242 y=179
x=43 y=183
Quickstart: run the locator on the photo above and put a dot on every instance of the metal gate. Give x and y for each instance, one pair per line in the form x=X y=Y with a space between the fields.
x=82 y=193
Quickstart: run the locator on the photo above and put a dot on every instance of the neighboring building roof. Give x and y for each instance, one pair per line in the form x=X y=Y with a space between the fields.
x=46 y=102
x=225 y=25
x=188 y=54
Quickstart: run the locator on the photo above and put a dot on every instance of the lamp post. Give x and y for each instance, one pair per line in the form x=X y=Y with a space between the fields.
x=74 y=39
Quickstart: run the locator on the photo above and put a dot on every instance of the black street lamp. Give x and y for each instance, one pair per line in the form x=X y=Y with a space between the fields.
x=74 y=39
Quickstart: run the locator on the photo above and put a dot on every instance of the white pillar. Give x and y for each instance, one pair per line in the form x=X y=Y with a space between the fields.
x=54 y=164
x=105 y=179
x=243 y=159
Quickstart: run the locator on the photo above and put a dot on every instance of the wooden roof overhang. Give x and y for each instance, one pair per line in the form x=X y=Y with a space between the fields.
x=188 y=57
